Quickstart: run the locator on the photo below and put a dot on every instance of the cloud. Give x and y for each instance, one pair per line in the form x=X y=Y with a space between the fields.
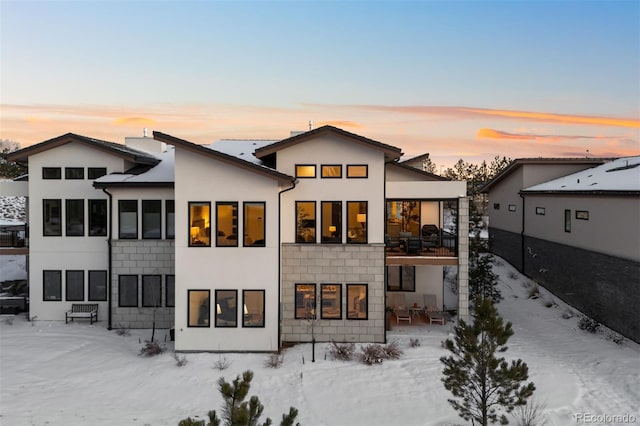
x=134 y=121
x=338 y=123
x=485 y=133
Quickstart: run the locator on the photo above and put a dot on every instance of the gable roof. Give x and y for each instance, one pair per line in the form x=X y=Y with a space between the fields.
x=390 y=152
x=221 y=156
x=418 y=172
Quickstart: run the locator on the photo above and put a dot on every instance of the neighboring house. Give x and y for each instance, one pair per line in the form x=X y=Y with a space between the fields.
x=238 y=244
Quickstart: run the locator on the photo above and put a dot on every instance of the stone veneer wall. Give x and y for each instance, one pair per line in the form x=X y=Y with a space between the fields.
x=142 y=257
x=333 y=264
x=463 y=259
x=507 y=245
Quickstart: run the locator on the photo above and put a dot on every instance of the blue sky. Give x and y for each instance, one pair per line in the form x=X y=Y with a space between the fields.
x=208 y=70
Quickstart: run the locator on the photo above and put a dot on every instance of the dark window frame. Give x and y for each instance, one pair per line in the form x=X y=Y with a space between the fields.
x=169 y=207
x=127 y=236
x=401 y=277
x=144 y=291
x=167 y=292
x=322 y=168
x=190 y=222
x=51 y=173
x=366 y=286
x=322 y=299
x=315 y=223
x=366 y=168
x=295 y=301
x=235 y=310
x=92 y=297
x=120 y=285
x=264 y=223
x=58 y=284
x=207 y=324
x=67 y=213
x=541 y=211
x=102 y=231
x=66 y=285
x=264 y=308
x=234 y=224
x=512 y=207
x=45 y=215
x=149 y=203
x=366 y=227
x=96 y=172
x=315 y=171
x=496 y=206
x=567 y=220
x=338 y=238
x=74 y=173
x=582 y=214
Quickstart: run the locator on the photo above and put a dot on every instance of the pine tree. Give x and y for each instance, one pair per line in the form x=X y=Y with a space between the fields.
x=483 y=282
x=481 y=383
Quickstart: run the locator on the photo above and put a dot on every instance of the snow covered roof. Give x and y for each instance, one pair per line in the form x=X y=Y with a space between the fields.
x=159 y=175
x=618 y=176
x=241 y=148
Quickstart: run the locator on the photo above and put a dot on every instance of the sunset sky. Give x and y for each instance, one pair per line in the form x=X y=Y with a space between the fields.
x=455 y=79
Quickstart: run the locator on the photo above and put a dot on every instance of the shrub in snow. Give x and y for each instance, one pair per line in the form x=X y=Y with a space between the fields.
x=392 y=351
x=151 y=348
x=615 y=337
x=588 y=324
x=122 y=330
x=274 y=360
x=222 y=364
x=181 y=360
x=342 y=351
x=568 y=313
x=8 y=320
x=512 y=275
x=372 y=354
x=534 y=291
x=531 y=414
x=414 y=343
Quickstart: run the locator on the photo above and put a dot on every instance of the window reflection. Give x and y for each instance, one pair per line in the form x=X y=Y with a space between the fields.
x=199 y=224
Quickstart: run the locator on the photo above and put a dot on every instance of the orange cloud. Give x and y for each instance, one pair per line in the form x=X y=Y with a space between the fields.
x=498 y=134
x=338 y=123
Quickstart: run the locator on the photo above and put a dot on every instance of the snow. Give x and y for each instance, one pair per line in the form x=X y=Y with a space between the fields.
x=12 y=211
x=79 y=374
x=162 y=172
x=241 y=148
x=14 y=267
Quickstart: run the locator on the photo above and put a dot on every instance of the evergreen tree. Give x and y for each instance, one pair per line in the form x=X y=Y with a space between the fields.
x=481 y=383
x=9 y=169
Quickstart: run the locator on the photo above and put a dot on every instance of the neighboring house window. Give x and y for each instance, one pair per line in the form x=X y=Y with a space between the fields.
x=226 y=308
x=496 y=206
x=540 y=210
x=74 y=288
x=305 y=170
x=51 y=173
x=227 y=224
x=128 y=219
x=52 y=218
x=151 y=219
x=357 y=171
x=199 y=224
x=512 y=207
x=74 y=172
x=305 y=301
x=253 y=308
x=357 y=222
x=151 y=291
x=170 y=220
x=331 y=171
x=97 y=218
x=254 y=224
x=171 y=291
x=331 y=301
x=52 y=286
x=567 y=221
x=128 y=291
x=401 y=278
x=357 y=301
x=74 y=212
x=305 y=221
x=198 y=310
x=96 y=172
x=582 y=214
x=331 y=226
x=97 y=286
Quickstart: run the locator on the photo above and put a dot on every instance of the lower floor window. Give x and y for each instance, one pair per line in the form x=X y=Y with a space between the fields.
x=198 y=309
x=331 y=301
x=226 y=308
x=74 y=288
x=52 y=285
x=401 y=278
x=357 y=301
x=128 y=291
x=253 y=308
x=97 y=286
x=151 y=290
x=171 y=291
x=305 y=301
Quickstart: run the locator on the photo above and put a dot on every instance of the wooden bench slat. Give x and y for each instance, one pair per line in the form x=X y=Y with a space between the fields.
x=84 y=310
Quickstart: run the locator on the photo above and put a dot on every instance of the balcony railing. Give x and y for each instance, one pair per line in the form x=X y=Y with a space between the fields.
x=13 y=236
x=441 y=244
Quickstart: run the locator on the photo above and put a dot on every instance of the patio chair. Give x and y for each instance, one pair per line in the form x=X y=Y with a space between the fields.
x=402 y=314
x=414 y=245
x=390 y=243
x=436 y=316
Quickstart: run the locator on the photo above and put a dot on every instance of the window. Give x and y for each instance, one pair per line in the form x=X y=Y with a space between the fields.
x=51 y=173
x=96 y=172
x=128 y=219
x=97 y=286
x=305 y=221
x=74 y=288
x=52 y=286
x=254 y=224
x=496 y=206
x=199 y=224
x=52 y=218
x=331 y=215
x=305 y=170
x=151 y=219
x=331 y=301
x=401 y=278
x=74 y=172
x=170 y=219
x=198 y=309
x=151 y=290
x=357 y=301
x=227 y=224
x=582 y=214
x=331 y=171
x=253 y=308
x=170 y=297
x=226 y=308
x=97 y=218
x=358 y=171
x=305 y=301
x=357 y=222
x=512 y=207
x=567 y=221
x=74 y=212
x=540 y=211
x=127 y=291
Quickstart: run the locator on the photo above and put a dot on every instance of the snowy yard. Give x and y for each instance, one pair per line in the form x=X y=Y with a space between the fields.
x=78 y=374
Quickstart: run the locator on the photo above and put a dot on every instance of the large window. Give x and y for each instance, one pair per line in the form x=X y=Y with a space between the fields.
x=128 y=219
x=305 y=221
x=253 y=308
x=357 y=171
x=331 y=301
x=52 y=218
x=127 y=291
x=331 y=171
x=401 y=278
x=51 y=173
x=151 y=290
x=74 y=212
x=226 y=308
x=198 y=309
x=357 y=222
x=151 y=219
x=357 y=301
x=227 y=224
x=331 y=215
x=254 y=224
x=567 y=221
x=305 y=170
x=52 y=286
x=171 y=291
x=170 y=221
x=96 y=172
x=97 y=217
x=74 y=172
x=199 y=224
x=97 y=286
x=305 y=301
x=74 y=288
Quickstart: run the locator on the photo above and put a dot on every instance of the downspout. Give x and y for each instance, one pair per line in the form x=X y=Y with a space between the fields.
x=110 y=259
x=522 y=248
x=294 y=182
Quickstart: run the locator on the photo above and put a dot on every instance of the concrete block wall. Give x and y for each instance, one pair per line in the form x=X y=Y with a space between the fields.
x=334 y=264
x=463 y=259
x=507 y=245
x=142 y=257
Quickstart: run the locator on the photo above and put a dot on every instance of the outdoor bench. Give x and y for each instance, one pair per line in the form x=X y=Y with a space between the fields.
x=82 y=310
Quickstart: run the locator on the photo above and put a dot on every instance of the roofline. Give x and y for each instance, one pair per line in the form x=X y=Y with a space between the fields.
x=391 y=152
x=417 y=157
x=220 y=156
x=126 y=184
x=631 y=192
x=418 y=171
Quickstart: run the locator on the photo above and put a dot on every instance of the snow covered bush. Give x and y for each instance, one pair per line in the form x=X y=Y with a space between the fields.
x=588 y=324
x=222 y=364
x=151 y=348
x=181 y=360
x=414 y=343
x=392 y=351
x=342 y=351
x=372 y=354
x=274 y=360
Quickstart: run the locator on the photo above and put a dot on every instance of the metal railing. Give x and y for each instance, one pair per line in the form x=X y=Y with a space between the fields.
x=13 y=236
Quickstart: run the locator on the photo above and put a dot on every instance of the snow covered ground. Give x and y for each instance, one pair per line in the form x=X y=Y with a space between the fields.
x=80 y=374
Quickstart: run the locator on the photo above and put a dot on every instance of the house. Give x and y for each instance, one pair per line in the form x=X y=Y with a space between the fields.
x=239 y=244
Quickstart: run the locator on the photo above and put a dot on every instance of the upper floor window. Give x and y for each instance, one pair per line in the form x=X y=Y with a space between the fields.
x=170 y=220
x=254 y=224
x=331 y=214
x=128 y=219
x=51 y=173
x=357 y=222
x=97 y=217
x=52 y=217
x=357 y=170
x=75 y=217
x=305 y=170
x=96 y=172
x=305 y=221
x=74 y=172
x=329 y=171
x=227 y=224
x=199 y=224
x=51 y=285
x=151 y=219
